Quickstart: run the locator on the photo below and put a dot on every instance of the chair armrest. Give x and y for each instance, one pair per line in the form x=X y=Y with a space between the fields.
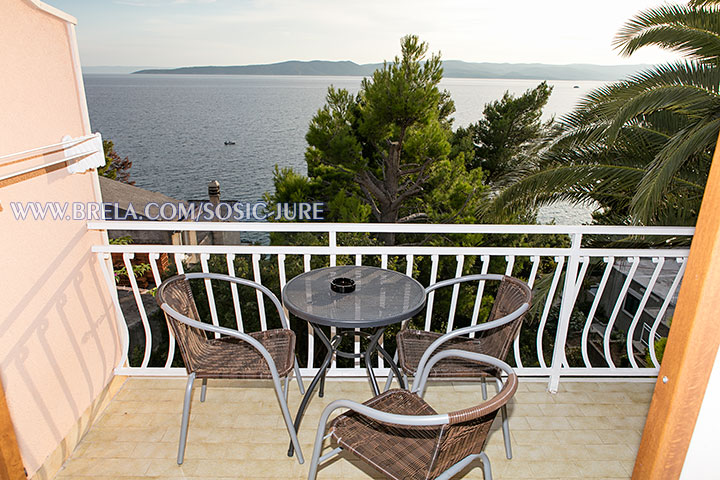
x=247 y=283
x=224 y=331
x=465 y=330
x=384 y=417
x=466 y=278
x=423 y=373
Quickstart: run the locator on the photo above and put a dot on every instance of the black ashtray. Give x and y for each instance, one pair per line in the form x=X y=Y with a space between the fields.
x=342 y=285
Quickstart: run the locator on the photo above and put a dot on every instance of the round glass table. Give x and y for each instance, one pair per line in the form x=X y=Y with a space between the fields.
x=380 y=298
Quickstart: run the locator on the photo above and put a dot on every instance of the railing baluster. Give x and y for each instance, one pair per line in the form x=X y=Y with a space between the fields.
x=356 y=346
x=409 y=264
x=178 y=257
x=230 y=258
x=153 y=257
x=485 y=259
x=259 y=294
x=209 y=291
x=332 y=242
x=381 y=340
x=106 y=265
x=633 y=325
x=141 y=307
x=663 y=309
x=456 y=291
x=282 y=277
x=585 y=262
x=546 y=310
x=311 y=333
x=510 y=259
x=533 y=271
x=618 y=304
x=431 y=296
x=593 y=308
x=516 y=343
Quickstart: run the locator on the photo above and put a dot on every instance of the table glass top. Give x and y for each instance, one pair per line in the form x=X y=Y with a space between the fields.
x=381 y=297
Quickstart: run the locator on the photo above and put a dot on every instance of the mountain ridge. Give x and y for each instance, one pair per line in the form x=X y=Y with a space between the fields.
x=452 y=69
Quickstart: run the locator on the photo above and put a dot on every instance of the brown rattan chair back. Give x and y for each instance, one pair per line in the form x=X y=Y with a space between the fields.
x=191 y=341
x=468 y=430
x=511 y=295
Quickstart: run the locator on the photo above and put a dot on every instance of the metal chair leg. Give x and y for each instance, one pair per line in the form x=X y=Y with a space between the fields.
x=185 y=418
x=288 y=420
x=317 y=447
x=483 y=387
x=203 y=390
x=487 y=470
x=505 y=424
x=298 y=377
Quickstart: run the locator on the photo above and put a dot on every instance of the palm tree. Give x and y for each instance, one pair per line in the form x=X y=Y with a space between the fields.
x=640 y=148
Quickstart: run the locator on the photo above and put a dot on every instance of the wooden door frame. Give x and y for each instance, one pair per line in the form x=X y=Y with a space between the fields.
x=11 y=464
x=691 y=348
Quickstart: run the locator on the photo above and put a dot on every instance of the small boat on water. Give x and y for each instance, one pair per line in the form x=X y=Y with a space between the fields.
x=576 y=86
x=229 y=142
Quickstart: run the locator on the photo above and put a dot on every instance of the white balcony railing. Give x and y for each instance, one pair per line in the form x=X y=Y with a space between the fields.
x=582 y=326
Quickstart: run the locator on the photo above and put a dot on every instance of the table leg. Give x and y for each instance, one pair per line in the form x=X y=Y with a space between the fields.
x=393 y=365
x=368 y=358
x=318 y=377
x=321 y=392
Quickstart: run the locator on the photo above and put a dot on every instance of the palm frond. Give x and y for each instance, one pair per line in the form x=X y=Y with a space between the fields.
x=685 y=100
x=703 y=3
x=686 y=29
x=577 y=184
x=677 y=152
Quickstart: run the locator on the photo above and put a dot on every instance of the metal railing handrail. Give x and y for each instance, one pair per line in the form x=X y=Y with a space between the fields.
x=319 y=227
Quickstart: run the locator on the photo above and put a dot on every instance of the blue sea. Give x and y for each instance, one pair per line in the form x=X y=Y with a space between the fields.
x=173 y=127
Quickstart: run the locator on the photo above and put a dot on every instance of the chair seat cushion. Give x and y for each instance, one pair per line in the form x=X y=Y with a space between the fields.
x=397 y=451
x=229 y=357
x=412 y=344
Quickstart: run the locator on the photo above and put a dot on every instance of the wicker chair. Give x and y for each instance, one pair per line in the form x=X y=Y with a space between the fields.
x=267 y=354
x=401 y=436
x=493 y=337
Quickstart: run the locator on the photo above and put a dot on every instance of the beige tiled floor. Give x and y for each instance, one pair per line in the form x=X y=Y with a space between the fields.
x=587 y=430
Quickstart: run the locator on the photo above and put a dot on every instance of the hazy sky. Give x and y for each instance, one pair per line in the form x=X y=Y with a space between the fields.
x=168 y=33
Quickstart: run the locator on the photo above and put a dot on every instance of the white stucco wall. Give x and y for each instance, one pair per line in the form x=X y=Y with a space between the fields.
x=58 y=335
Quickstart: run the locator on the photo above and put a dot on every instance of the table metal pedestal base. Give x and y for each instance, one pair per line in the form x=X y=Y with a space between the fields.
x=332 y=349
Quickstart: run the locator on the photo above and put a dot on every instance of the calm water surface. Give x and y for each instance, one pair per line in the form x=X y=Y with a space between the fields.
x=173 y=127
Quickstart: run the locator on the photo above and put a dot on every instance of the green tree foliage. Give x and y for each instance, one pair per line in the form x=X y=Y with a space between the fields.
x=116 y=167
x=640 y=148
x=384 y=154
x=506 y=134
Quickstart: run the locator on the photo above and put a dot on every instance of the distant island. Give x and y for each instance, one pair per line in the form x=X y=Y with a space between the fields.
x=452 y=69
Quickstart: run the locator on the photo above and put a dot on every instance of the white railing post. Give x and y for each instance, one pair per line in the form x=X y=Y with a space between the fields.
x=332 y=243
x=567 y=303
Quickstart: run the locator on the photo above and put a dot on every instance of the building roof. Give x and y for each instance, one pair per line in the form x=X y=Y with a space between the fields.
x=123 y=195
